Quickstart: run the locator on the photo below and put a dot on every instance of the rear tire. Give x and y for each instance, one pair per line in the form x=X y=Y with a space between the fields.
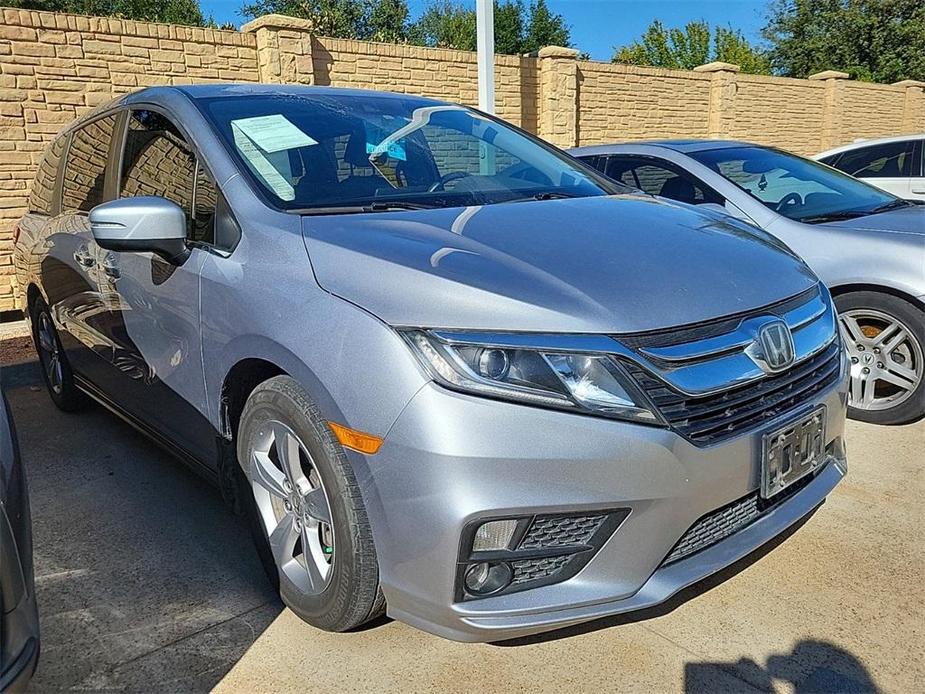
x=885 y=339
x=298 y=476
x=56 y=370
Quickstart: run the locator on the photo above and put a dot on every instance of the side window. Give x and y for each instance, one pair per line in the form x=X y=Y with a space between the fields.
x=889 y=160
x=669 y=182
x=85 y=169
x=158 y=161
x=41 y=197
x=621 y=169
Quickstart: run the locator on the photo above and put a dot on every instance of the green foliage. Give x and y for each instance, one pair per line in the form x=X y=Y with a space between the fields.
x=518 y=28
x=169 y=11
x=872 y=40
x=695 y=44
x=545 y=29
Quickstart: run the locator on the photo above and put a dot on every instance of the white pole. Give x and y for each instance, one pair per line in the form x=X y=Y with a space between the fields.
x=485 y=33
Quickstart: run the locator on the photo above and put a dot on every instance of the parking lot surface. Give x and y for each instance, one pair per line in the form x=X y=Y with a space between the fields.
x=146 y=582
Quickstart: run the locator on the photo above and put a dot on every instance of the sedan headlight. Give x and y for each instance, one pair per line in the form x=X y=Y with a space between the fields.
x=583 y=382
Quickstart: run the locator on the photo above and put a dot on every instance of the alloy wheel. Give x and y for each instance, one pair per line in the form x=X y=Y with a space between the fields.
x=886 y=359
x=50 y=353
x=293 y=506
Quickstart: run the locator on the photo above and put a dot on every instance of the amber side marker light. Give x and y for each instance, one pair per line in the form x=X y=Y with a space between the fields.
x=356 y=440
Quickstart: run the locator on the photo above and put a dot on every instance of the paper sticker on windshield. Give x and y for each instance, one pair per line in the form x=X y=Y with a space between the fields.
x=269 y=167
x=395 y=150
x=273 y=133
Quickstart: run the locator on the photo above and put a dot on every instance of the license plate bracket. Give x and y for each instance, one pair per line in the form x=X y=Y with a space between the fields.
x=792 y=451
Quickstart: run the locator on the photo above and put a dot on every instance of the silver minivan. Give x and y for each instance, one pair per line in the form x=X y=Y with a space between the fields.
x=445 y=370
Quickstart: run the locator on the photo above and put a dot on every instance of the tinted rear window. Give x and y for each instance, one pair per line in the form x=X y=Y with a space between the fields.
x=85 y=171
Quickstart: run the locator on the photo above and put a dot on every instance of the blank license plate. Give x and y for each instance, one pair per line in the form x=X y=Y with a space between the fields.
x=791 y=452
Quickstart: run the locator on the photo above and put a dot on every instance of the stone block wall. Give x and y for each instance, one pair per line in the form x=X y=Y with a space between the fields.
x=56 y=67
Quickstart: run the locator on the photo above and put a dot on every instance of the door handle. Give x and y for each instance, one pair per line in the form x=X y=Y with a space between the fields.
x=83 y=257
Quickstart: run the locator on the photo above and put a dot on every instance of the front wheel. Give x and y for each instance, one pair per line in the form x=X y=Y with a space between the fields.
x=306 y=510
x=884 y=336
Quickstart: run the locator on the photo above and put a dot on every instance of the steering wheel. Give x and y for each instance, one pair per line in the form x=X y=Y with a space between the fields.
x=789 y=199
x=447 y=178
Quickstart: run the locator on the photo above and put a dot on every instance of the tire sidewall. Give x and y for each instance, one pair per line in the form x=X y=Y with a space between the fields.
x=278 y=400
x=913 y=409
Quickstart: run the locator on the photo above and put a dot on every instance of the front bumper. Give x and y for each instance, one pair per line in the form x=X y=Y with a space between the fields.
x=451 y=459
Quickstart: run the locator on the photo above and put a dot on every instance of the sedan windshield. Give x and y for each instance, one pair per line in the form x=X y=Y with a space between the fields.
x=797 y=188
x=330 y=153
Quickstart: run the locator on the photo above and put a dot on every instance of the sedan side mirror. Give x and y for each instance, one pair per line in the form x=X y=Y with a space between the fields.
x=143 y=224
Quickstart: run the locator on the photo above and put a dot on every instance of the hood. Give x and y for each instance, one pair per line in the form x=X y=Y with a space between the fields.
x=589 y=265
x=906 y=220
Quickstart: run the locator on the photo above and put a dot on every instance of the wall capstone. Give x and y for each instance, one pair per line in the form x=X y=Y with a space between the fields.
x=722 y=97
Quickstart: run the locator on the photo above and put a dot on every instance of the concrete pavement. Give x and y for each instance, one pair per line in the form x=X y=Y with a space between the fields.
x=146 y=582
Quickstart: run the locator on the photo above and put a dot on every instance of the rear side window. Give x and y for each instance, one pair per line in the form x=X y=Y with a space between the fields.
x=85 y=170
x=888 y=160
x=41 y=197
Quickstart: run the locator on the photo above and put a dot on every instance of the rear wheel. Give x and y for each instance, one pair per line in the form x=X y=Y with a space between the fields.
x=884 y=336
x=56 y=371
x=306 y=509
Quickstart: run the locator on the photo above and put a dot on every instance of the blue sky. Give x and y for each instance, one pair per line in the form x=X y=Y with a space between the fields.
x=599 y=25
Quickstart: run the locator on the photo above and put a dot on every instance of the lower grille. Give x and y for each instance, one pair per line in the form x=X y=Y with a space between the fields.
x=713 y=418
x=728 y=520
x=537 y=569
x=557 y=531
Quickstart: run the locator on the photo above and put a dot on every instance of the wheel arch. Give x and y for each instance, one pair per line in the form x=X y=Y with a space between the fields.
x=842 y=289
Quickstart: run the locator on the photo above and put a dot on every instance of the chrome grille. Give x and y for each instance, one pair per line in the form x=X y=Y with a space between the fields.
x=707 y=387
x=713 y=418
x=728 y=520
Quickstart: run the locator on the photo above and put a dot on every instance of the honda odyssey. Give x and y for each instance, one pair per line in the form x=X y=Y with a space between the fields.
x=446 y=371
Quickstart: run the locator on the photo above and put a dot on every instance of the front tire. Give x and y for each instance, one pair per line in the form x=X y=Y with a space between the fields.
x=885 y=339
x=56 y=370
x=306 y=510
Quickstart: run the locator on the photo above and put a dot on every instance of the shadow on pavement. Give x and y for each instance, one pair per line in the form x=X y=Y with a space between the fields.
x=145 y=580
x=814 y=667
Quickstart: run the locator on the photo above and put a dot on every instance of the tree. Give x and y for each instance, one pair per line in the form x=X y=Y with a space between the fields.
x=185 y=12
x=545 y=29
x=518 y=28
x=695 y=44
x=347 y=19
x=872 y=40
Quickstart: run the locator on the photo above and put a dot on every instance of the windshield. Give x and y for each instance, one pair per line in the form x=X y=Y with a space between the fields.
x=797 y=188
x=356 y=153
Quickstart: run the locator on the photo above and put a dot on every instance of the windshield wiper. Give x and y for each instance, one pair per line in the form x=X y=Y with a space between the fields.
x=360 y=209
x=832 y=217
x=892 y=205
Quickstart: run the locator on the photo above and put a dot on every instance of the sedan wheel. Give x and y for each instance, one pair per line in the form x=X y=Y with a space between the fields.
x=884 y=337
x=56 y=371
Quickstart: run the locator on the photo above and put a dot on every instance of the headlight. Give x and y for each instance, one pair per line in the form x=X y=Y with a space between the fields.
x=582 y=382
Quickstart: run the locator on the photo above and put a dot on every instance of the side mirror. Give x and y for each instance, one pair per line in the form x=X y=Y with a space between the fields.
x=142 y=224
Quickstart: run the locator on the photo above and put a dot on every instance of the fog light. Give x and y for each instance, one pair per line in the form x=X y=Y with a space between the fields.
x=494 y=535
x=487 y=577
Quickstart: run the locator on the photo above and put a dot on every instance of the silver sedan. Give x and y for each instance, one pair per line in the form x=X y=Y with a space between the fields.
x=866 y=244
